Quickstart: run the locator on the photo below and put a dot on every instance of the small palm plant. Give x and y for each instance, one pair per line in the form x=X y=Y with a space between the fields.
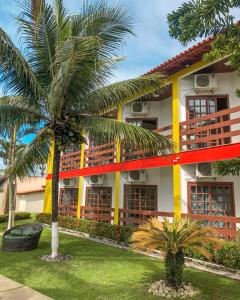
x=173 y=238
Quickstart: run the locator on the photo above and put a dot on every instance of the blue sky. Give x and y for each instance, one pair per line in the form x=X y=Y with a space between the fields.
x=151 y=46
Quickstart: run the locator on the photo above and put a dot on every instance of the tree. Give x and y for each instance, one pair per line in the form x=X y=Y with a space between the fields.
x=201 y=18
x=63 y=80
x=10 y=142
x=173 y=238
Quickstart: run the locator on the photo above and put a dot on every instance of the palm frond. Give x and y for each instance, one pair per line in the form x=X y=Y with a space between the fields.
x=175 y=236
x=102 y=130
x=13 y=112
x=16 y=75
x=63 y=21
x=34 y=153
x=228 y=167
x=110 y=23
x=107 y=98
x=41 y=43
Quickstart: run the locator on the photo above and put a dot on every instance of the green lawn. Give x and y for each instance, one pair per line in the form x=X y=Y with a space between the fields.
x=101 y=272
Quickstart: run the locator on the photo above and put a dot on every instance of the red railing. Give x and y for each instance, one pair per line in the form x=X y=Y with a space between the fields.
x=104 y=214
x=70 y=161
x=211 y=130
x=67 y=210
x=100 y=155
x=226 y=226
x=215 y=129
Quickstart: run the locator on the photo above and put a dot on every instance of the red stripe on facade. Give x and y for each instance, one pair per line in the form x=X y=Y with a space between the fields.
x=189 y=157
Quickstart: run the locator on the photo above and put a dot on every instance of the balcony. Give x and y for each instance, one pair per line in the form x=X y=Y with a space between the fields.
x=216 y=129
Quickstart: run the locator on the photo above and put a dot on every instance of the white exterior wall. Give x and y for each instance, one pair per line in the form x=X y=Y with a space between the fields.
x=188 y=175
x=32 y=202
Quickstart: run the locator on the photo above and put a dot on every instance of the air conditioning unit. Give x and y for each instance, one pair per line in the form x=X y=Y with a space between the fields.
x=139 y=108
x=69 y=182
x=137 y=176
x=96 y=179
x=205 y=81
x=205 y=170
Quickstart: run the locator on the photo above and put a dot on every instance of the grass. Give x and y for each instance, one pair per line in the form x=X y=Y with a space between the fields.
x=101 y=272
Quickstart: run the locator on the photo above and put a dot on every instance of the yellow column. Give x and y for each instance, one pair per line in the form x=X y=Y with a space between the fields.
x=176 y=141
x=80 y=183
x=48 y=188
x=118 y=174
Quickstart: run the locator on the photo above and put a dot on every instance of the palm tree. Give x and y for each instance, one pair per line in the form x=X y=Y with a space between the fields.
x=173 y=238
x=11 y=141
x=228 y=167
x=63 y=77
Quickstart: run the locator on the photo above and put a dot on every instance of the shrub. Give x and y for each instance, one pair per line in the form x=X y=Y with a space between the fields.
x=18 y=216
x=106 y=230
x=229 y=255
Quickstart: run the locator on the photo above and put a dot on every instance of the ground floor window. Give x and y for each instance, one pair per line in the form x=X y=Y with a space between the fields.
x=98 y=198
x=211 y=198
x=68 y=200
x=141 y=198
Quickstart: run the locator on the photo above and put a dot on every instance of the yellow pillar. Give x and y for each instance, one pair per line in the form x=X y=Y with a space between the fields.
x=118 y=174
x=176 y=141
x=48 y=188
x=80 y=183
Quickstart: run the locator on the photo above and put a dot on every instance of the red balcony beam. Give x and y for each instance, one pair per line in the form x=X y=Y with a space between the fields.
x=189 y=157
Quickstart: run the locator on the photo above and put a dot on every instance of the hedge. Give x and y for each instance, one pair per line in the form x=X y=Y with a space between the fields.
x=106 y=230
x=18 y=216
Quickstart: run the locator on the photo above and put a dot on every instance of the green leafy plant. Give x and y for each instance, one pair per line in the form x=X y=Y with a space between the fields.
x=106 y=230
x=18 y=216
x=63 y=78
x=173 y=238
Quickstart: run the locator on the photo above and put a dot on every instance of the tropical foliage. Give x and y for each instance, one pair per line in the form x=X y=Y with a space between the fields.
x=173 y=238
x=63 y=78
x=11 y=141
x=228 y=167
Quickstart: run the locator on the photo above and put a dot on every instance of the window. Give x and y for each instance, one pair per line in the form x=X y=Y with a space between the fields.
x=68 y=201
x=213 y=199
x=98 y=197
x=200 y=106
x=140 y=197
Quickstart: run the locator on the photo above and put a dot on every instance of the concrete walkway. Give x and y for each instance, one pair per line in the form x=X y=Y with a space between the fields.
x=12 y=290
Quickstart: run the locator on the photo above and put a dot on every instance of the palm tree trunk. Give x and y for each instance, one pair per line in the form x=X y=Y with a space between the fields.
x=174 y=264
x=12 y=202
x=12 y=181
x=55 y=192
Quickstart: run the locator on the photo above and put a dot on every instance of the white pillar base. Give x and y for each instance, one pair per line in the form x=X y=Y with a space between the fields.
x=55 y=240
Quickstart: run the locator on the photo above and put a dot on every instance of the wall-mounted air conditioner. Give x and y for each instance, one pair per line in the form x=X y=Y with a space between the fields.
x=137 y=176
x=69 y=182
x=96 y=179
x=139 y=108
x=205 y=170
x=205 y=81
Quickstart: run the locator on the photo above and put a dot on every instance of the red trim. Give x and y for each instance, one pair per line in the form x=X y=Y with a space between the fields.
x=188 y=157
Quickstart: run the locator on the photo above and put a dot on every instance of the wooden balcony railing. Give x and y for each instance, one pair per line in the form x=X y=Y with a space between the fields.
x=67 y=210
x=70 y=161
x=103 y=214
x=215 y=129
x=100 y=155
x=226 y=226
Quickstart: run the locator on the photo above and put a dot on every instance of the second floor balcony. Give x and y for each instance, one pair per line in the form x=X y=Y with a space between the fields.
x=215 y=129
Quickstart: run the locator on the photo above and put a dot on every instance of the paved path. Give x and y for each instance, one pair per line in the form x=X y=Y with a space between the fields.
x=12 y=290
